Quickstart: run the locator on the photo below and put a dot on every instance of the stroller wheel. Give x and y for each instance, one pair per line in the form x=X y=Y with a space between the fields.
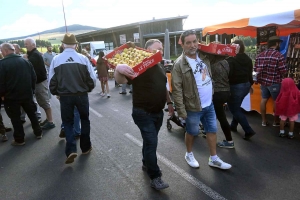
x=169 y=126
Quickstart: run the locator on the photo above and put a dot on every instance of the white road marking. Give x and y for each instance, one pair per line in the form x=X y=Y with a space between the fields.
x=191 y=179
x=95 y=112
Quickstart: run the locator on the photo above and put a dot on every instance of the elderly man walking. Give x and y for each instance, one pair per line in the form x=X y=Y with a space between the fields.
x=71 y=77
x=17 y=85
x=41 y=88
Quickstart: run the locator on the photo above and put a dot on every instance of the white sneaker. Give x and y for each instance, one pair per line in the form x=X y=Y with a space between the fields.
x=219 y=163
x=190 y=159
x=108 y=95
x=102 y=94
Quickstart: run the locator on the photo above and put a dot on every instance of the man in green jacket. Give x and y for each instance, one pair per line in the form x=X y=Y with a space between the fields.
x=192 y=93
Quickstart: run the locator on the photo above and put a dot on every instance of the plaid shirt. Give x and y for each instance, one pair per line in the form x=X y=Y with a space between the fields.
x=270 y=67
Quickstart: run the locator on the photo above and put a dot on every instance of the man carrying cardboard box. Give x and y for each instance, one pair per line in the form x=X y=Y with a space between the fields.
x=149 y=97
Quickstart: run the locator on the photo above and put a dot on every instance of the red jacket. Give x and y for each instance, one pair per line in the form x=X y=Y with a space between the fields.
x=288 y=100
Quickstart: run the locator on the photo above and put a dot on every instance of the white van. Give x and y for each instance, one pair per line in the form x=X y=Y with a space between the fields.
x=95 y=47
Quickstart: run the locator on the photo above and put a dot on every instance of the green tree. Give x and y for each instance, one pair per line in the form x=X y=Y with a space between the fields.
x=55 y=48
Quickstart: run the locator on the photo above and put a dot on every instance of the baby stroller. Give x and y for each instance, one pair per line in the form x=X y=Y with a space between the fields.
x=168 y=65
x=180 y=122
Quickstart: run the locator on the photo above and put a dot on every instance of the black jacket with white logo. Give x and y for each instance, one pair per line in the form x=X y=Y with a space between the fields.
x=71 y=73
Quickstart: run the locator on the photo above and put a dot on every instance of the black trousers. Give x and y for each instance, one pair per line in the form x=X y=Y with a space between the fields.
x=13 y=110
x=219 y=99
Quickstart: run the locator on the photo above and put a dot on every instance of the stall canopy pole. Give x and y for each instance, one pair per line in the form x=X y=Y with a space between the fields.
x=175 y=45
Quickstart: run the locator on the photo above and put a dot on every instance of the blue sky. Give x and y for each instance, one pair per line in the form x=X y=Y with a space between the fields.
x=23 y=17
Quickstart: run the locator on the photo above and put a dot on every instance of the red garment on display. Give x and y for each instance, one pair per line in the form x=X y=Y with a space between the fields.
x=288 y=100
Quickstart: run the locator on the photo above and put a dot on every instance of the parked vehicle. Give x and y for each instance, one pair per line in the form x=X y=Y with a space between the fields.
x=94 y=47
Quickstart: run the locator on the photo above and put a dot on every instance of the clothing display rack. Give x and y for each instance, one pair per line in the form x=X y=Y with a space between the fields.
x=293 y=57
x=263 y=34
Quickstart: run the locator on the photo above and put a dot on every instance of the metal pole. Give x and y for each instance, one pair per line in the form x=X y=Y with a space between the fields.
x=175 y=45
x=64 y=15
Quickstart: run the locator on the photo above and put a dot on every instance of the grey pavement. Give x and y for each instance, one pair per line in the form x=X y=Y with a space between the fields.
x=266 y=167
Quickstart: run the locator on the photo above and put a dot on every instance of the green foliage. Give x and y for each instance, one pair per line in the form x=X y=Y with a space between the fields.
x=39 y=43
x=55 y=48
x=250 y=43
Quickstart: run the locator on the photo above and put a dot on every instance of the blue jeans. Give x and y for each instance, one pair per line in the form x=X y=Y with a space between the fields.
x=76 y=126
x=272 y=90
x=237 y=95
x=67 y=106
x=149 y=125
x=207 y=116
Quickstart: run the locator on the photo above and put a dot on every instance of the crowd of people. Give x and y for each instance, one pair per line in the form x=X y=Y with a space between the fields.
x=201 y=84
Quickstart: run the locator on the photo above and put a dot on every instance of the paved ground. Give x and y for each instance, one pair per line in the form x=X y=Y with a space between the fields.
x=264 y=168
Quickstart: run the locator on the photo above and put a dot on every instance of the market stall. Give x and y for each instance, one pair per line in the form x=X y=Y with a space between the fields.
x=281 y=24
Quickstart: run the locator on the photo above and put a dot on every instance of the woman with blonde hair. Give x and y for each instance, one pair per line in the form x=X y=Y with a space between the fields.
x=103 y=75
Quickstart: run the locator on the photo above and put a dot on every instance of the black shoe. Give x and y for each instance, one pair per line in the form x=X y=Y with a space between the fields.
x=249 y=135
x=88 y=151
x=23 y=121
x=71 y=158
x=15 y=143
x=159 y=184
x=62 y=133
x=122 y=92
x=44 y=122
x=130 y=92
x=7 y=129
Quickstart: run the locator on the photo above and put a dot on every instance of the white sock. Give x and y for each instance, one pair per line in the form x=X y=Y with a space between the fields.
x=291 y=133
x=213 y=158
x=189 y=153
x=281 y=131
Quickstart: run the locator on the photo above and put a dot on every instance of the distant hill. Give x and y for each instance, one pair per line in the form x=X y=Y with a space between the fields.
x=75 y=28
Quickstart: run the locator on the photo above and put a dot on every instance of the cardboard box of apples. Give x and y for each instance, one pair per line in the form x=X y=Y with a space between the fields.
x=137 y=58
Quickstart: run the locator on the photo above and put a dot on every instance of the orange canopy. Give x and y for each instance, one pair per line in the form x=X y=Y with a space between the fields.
x=286 y=22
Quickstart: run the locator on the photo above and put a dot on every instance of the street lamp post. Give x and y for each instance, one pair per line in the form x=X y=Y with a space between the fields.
x=64 y=15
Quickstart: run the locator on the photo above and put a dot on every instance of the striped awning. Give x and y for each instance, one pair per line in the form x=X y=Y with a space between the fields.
x=286 y=22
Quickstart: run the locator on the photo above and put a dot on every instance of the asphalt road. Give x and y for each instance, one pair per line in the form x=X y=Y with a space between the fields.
x=266 y=167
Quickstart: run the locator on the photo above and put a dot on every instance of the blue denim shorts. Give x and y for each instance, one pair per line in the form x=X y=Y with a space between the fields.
x=272 y=90
x=207 y=117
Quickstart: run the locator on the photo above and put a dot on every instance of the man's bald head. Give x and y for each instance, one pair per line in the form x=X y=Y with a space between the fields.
x=7 y=48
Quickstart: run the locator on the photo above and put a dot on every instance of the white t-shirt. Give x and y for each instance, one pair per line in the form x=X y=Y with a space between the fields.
x=203 y=80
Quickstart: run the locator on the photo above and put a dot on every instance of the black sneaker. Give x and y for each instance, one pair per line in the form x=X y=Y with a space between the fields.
x=48 y=125
x=44 y=122
x=88 y=151
x=39 y=136
x=62 y=133
x=71 y=158
x=248 y=135
x=14 y=143
x=159 y=184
